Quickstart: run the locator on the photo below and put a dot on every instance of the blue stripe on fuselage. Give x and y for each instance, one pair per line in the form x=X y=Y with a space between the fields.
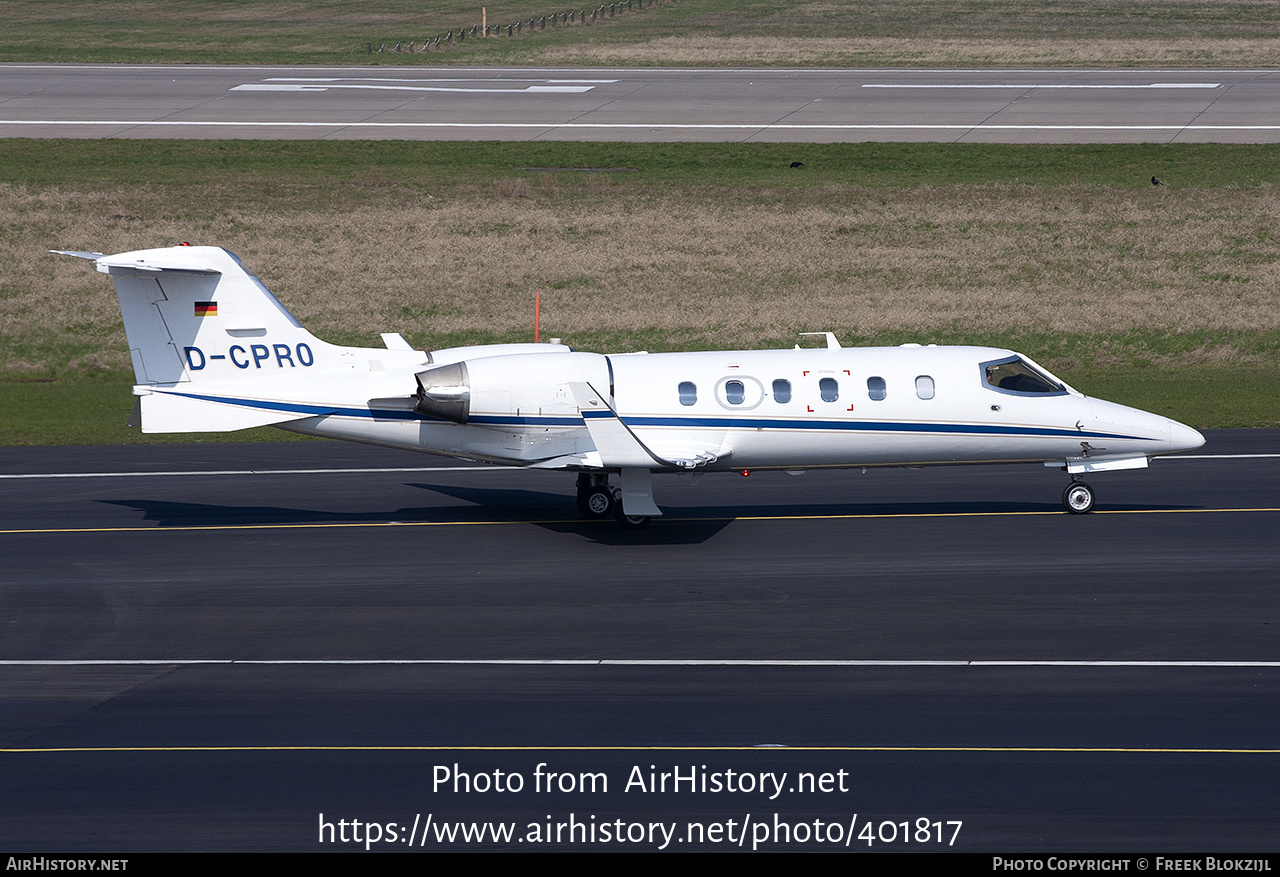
x=688 y=422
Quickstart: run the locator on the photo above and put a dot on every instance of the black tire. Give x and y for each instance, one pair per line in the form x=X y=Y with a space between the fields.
x=599 y=502
x=629 y=522
x=1078 y=498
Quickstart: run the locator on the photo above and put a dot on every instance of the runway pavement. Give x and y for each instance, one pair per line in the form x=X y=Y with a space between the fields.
x=257 y=646
x=279 y=647
x=777 y=105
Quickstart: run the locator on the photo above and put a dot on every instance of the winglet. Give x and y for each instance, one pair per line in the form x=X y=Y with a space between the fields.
x=832 y=342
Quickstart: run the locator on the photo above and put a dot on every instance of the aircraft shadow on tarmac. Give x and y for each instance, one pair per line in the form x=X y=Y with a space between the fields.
x=528 y=503
x=196 y=514
x=557 y=516
x=557 y=513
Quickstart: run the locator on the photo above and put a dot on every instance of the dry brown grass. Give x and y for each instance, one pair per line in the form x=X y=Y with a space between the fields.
x=723 y=269
x=707 y=50
x=190 y=18
x=676 y=32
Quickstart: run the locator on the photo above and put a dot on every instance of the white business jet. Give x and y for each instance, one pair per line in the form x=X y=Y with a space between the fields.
x=214 y=351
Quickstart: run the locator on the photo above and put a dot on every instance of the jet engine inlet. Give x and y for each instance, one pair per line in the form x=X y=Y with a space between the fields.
x=445 y=392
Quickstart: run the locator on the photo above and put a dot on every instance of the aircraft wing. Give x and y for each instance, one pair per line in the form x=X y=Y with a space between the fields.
x=619 y=446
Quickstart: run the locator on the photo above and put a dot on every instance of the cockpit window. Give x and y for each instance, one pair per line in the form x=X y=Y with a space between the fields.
x=1014 y=375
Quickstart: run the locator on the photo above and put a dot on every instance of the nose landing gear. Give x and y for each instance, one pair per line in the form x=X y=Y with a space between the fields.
x=1078 y=498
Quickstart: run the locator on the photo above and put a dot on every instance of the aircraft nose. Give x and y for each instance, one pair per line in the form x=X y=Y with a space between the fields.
x=1183 y=437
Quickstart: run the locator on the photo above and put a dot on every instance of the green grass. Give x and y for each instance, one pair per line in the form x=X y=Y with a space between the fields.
x=268 y=172
x=93 y=411
x=1158 y=297
x=302 y=31
x=681 y=32
x=1205 y=397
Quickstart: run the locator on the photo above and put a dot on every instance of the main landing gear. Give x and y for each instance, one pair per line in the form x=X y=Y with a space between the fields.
x=1078 y=498
x=597 y=499
x=595 y=496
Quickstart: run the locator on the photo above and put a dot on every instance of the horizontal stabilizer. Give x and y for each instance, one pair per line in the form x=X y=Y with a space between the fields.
x=79 y=254
x=116 y=265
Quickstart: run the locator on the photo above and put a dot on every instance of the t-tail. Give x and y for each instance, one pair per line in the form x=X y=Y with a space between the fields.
x=213 y=350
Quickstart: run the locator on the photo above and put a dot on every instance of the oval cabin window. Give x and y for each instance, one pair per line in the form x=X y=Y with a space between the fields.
x=735 y=392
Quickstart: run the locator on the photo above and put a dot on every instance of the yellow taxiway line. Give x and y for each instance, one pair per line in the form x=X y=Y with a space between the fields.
x=338 y=525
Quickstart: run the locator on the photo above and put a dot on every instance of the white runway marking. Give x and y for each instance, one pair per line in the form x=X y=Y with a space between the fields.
x=639 y=662
x=623 y=126
x=1218 y=457
x=325 y=83
x=433 y=79
x=781 y=72
x=529 y=89
x=1042 y=85
x=217 y=472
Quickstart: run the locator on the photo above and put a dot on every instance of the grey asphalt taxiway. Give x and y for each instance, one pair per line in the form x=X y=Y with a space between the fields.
x=282 y=646
x=648 y=104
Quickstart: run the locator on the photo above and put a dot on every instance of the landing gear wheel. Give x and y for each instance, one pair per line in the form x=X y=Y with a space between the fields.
x=1078 y=498
x=584 y=490
x=629 y=522
x=598 y=502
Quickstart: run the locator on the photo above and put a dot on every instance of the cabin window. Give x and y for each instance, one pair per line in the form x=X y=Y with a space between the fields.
x=734 y=392
x=924 y=387
x=781 y=390
x=1014 y=375
x=688 y=392
x=829 y=389
x=876 y=389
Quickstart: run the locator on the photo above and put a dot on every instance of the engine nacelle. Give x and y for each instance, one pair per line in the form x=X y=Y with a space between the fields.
x=522 y=385
x=445 y=392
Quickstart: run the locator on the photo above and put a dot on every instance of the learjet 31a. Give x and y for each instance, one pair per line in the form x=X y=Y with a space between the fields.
x=214 y=351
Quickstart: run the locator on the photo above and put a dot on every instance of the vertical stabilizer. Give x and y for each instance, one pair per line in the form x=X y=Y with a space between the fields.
x=186 y=308
x=212 y=348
